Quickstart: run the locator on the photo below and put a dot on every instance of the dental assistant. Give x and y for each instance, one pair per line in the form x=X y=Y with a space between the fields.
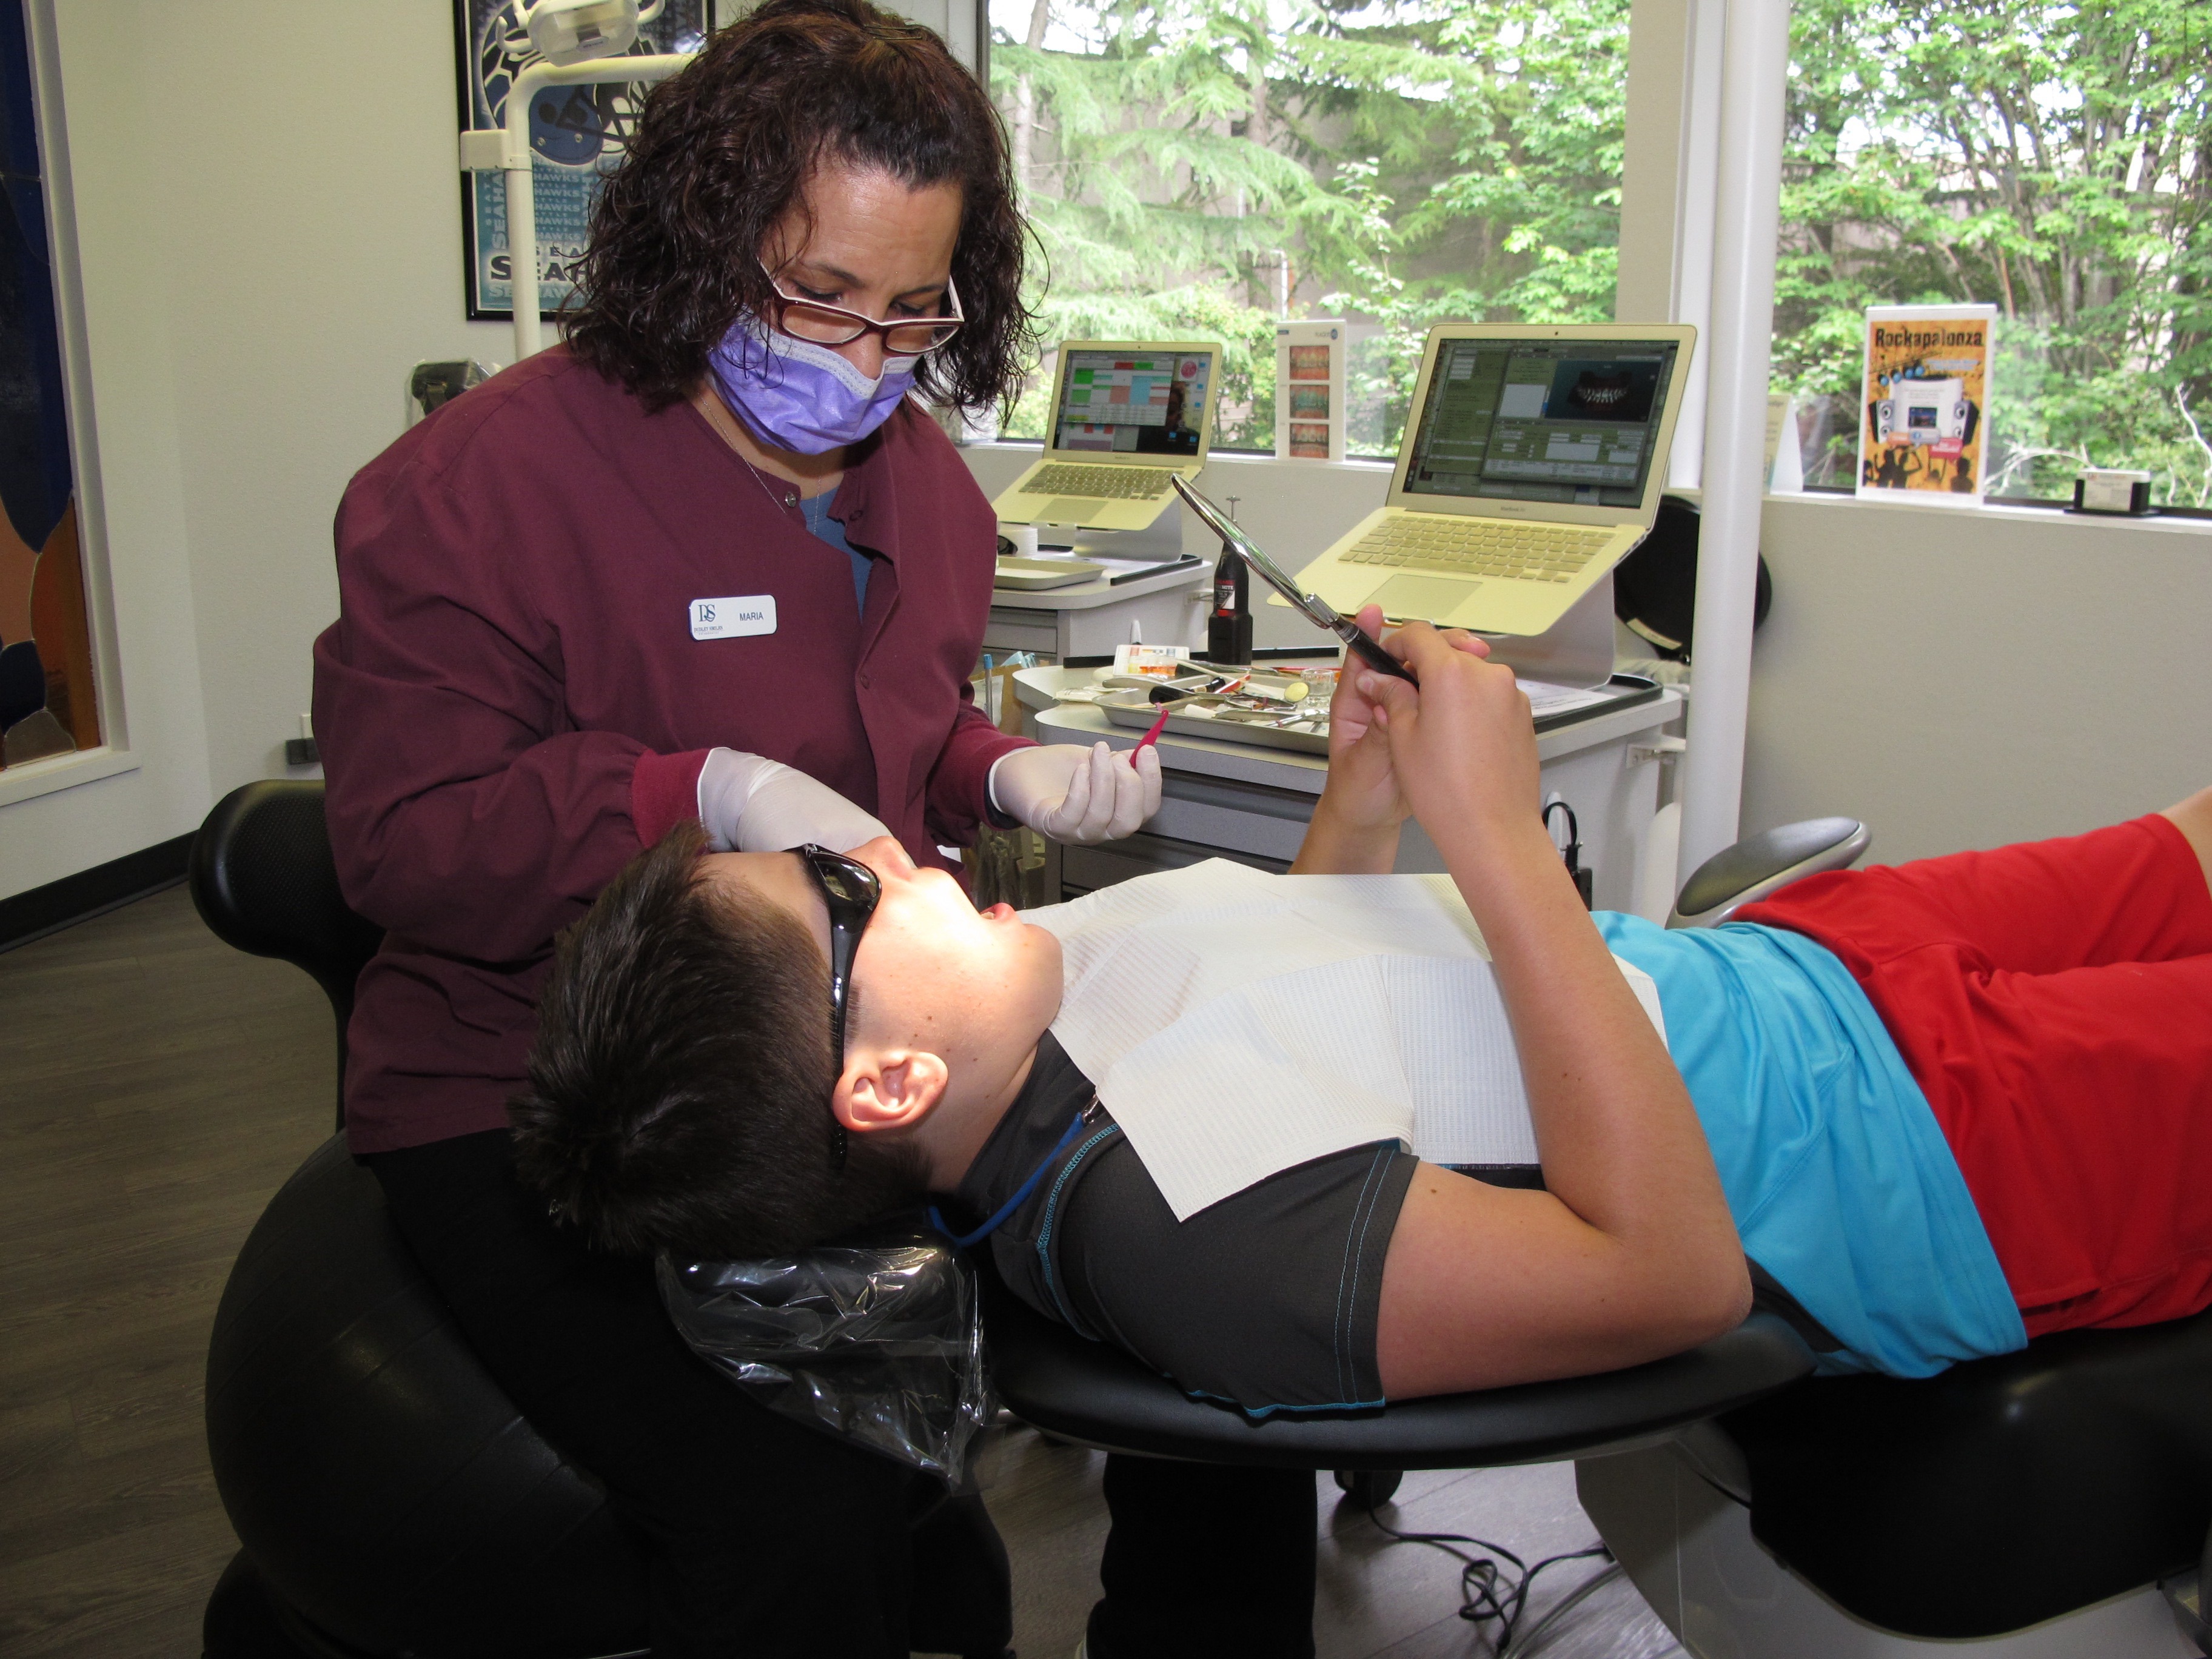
x=705 y=558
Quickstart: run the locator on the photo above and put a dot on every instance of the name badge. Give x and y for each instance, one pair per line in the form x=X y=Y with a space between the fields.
x=734 y=618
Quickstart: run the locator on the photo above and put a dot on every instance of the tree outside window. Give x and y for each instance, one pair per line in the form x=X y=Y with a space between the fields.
x=1200 y=167
x=2053 y=161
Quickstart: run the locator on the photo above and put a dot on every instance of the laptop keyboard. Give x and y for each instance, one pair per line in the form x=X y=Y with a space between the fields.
x=1479 y=547
x=1113 y=484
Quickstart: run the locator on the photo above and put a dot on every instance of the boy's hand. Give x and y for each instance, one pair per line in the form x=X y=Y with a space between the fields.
x=1356 y=823
x=1363 y=788
x=1462 y=745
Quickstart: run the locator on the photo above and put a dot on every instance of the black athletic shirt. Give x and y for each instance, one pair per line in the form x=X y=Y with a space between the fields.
x=1267 y=1299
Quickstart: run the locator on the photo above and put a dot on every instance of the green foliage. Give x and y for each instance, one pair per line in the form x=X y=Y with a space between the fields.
x=1411 y=162
x=2054 y=161
x=1414 y=161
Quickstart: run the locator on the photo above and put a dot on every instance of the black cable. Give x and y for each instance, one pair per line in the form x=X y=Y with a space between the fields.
x=1572 y=852
x=1488 y=1591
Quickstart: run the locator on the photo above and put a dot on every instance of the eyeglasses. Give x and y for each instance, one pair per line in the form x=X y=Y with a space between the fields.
x=851 y=890
x=834 y=326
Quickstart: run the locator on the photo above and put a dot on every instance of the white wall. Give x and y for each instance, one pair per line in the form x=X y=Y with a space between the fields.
x=1967 y=679
x=268 y=216
x=311 y=255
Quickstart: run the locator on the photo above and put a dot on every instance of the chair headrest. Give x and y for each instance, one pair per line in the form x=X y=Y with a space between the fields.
x=264 y=882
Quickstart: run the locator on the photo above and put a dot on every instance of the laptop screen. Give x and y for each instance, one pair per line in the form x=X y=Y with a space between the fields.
x=1133 y=403
x=1572 y=421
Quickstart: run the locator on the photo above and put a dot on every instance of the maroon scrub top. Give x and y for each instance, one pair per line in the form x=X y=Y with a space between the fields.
x=513 y=702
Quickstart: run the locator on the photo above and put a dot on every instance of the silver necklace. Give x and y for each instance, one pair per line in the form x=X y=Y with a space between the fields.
x=789 y=501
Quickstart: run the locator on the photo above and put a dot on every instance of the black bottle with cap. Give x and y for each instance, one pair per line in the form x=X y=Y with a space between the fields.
x=1229 y=629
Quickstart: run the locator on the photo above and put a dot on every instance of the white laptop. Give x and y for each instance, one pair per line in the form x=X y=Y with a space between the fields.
x=1126 y=417
x=1532 y=464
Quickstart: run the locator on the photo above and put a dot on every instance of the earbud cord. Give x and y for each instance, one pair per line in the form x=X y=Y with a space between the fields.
x=1021 y=1194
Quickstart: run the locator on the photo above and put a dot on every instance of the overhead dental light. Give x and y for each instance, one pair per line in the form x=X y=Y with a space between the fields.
x=566 y=32
x=575 y=43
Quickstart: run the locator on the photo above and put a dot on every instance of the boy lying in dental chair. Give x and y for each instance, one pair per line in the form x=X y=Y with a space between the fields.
x=1927 y=1111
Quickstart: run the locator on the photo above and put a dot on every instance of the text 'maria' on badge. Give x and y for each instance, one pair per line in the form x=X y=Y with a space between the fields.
x=734 y=618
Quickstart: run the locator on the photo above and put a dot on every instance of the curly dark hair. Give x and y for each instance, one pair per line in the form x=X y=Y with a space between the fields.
x=724 y=150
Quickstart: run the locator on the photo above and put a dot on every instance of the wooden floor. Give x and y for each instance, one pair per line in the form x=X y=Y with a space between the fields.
x=155 y=1087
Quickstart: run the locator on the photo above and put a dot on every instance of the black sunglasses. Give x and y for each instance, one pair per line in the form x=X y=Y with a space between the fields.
x=851 y=892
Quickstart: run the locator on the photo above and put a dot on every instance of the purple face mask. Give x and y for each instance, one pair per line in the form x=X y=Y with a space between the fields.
x=799 y=395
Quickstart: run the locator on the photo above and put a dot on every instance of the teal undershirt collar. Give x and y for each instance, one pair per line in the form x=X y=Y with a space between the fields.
x=820 y=524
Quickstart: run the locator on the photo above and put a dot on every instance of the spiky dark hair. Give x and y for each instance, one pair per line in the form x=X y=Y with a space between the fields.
x=680 y=1083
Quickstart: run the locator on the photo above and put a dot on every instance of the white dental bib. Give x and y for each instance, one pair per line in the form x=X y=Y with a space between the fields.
x=1238 y=1023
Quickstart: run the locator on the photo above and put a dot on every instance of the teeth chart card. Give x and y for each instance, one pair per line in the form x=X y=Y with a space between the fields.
x=1309 y=390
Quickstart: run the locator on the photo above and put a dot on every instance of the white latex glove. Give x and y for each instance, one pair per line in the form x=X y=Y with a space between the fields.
x=751 y=804
x=1076 y=794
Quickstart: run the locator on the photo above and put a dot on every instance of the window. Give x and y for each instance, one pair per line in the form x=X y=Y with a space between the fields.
x=2050 y=160
x=1198 y=168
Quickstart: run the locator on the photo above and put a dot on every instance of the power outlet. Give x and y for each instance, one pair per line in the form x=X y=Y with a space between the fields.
x=302 y=750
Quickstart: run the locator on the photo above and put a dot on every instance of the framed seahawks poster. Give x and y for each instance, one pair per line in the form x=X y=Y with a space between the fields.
x=577 y=136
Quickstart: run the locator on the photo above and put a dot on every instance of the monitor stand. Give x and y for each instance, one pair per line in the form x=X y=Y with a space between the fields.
x=1575 y=650
x=1158 y=542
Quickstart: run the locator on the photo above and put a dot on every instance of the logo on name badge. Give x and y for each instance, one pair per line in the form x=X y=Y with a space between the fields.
x=734 y=618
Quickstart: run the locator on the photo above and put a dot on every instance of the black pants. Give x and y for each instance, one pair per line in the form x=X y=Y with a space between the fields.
x=1206 y=1562
x=767 y=1538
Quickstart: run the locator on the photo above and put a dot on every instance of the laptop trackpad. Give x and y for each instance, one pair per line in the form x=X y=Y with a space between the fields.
x=1427 y=598
x=1071 y=510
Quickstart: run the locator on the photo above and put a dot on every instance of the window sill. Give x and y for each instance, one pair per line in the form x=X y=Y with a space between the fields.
x=60 y=772
x=1367 y=468
x=2001 y=512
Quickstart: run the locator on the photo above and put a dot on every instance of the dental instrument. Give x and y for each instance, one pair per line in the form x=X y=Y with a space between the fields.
x=1317 y=610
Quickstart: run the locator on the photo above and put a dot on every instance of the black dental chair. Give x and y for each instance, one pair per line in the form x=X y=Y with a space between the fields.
x=391 y=1501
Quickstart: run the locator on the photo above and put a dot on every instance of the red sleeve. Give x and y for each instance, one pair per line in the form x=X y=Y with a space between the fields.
x=465 y=811
x=664 y=791
x=958 y=799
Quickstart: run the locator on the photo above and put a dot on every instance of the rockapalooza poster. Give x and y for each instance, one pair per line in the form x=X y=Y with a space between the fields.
x=1923 y=419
